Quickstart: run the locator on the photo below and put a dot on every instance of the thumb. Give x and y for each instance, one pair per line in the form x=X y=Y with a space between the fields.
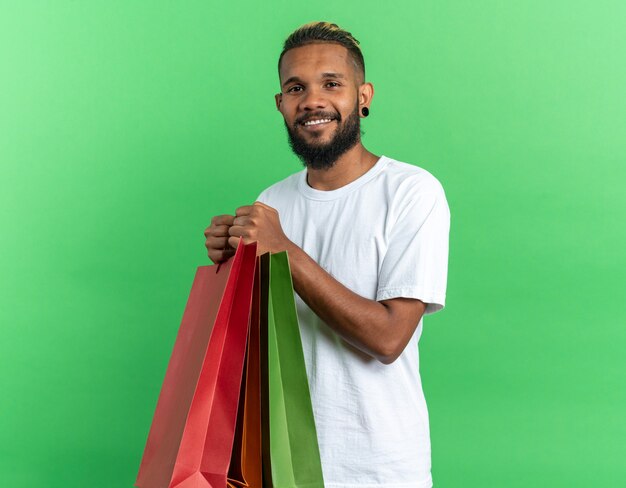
x=261 y=204
x=234 y=241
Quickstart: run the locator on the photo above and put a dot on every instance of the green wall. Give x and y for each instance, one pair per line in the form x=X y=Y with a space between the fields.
x=125 y=126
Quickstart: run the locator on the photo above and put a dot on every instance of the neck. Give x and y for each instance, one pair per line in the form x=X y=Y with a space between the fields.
x=351 y=165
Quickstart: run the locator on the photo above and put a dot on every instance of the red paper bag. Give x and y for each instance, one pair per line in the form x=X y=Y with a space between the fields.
x=190 y=441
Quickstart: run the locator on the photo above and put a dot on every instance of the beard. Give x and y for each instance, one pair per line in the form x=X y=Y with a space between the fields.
x=319 y=155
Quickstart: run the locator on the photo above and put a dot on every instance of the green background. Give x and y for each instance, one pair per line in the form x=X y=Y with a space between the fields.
x=125 y=126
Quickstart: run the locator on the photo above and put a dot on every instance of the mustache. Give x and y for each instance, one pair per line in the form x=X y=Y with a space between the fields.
x=318 y=115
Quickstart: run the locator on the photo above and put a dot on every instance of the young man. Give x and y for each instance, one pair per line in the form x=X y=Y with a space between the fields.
x=367 y=238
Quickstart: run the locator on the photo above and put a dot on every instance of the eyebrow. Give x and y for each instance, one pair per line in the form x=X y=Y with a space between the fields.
x=324 y=76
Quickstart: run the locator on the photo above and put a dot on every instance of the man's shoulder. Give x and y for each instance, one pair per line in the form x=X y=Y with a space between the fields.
x=410 y=177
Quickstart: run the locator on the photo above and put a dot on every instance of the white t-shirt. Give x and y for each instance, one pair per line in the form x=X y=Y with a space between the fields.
x=384 y=235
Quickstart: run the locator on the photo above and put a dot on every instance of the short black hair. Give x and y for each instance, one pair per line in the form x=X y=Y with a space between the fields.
x=320 y=32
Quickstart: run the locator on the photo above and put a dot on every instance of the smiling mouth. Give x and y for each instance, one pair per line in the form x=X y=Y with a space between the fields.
x=317 y=123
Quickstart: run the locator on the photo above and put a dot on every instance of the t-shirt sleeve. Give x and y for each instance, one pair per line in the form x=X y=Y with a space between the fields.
x=416 y=262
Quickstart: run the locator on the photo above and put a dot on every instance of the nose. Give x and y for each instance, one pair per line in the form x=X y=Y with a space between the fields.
x=312 y=99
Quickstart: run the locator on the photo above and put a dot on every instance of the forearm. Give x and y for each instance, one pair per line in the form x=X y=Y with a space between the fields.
x=364 y=323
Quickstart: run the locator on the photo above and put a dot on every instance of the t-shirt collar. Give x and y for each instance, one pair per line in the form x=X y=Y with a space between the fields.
x=314 y=194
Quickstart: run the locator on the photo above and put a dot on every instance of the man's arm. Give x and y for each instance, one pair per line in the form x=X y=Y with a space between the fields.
x=379 y=329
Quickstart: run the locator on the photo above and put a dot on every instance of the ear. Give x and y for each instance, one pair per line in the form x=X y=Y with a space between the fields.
x=278 y=98
x=366 y=93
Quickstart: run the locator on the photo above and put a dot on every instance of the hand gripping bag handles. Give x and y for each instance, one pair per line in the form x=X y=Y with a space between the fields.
x=294 y=456
x=190 y=440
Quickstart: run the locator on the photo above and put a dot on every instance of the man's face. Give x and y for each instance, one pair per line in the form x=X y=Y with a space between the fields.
x=319 y=102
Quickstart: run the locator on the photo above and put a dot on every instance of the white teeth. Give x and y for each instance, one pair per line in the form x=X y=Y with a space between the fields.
x=319 y=121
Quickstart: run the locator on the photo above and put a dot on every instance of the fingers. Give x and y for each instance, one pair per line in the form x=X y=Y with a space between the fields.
x=227 y=231
x=218 y=248
x=222 y=220
x=216 y=231
x=239 y=231
x=221 y=223
x=227 y=247
x=219 y=256
x=245 y=210
x=234 y=241
x=219 y=226
x=243 y=220
x=218 y=243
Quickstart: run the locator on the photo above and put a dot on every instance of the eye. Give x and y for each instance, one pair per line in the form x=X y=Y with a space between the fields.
x=332 y=83
x=293 y=89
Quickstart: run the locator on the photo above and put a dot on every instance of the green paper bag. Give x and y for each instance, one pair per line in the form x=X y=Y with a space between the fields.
x=294 y=458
